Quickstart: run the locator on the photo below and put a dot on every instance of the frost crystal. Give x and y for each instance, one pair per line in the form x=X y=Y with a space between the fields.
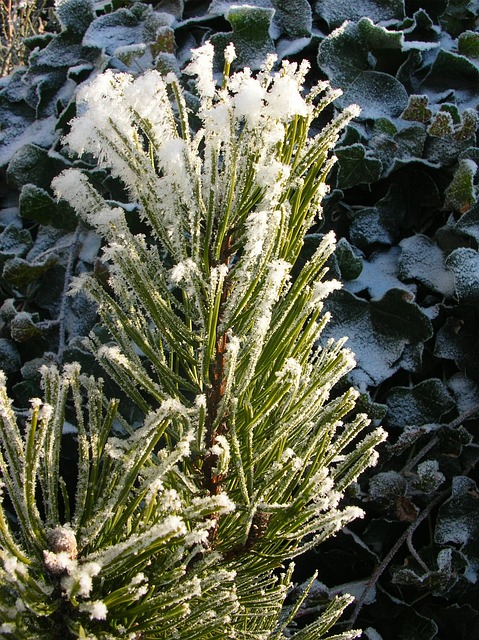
x=96 y=609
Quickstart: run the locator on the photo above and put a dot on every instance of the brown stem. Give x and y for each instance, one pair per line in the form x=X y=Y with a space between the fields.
x=212 y=481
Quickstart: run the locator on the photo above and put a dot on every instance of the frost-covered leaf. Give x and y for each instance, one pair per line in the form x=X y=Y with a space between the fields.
x=14 y=241
x=460 y=195
x=20 y=273
x=356 y=166
x=291 y=17
x=23 y=327
x=422 y=260
x=349 y=262
x=424 y=403
x=115 y=31
x=345 y=58
x=451 y=72
x=382 y=223
x=386 y=487
x=175 y=7
x=335 y=12
x=469 y=223
x=81 y=315
x=75 y=15
x=468 y=44
x=459 y=15
x=9 y=357
x=458 y=519
x=251 y=35
x=61 y=52
x=33 y=164
x=417 y=109
x=458 y=340
x=396 y=148
x=465 y=265
x=377 y=331
x=36 y=204
x=379 y=274
x=465 y=391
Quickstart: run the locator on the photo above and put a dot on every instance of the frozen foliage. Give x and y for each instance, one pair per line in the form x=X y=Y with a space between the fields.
x=179 y=527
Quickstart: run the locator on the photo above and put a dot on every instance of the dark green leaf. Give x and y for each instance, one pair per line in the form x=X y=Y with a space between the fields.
x=250 y=35
x=75 y=15
x=396 y=315
x=293 y=17
x=335 y=12
x=459 y=16
x=377 y=331
x=23 y=327
x=422 y=260
x=344 y=57
x=417 y=109
x=458 y=340
x=382 y=223
x=9 y=356
x=21 y=273
x=460 y=195
x=356 y=166
x=465 y=265
x=36 y=204
x=469 y=223
x=451 y=71
x=425 y=403
x=14 y=242
x=468 y=44
x=33 y=164
x=349 y=262
x=458 y=519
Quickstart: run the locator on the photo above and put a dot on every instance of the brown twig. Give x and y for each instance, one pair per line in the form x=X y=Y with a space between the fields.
x=434 y=440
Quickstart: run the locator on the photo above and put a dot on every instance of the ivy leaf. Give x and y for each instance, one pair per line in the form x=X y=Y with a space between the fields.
x=14 y=242
x=344 y=57
x=465 y=265
x=468 y=44
x=20 y=273
x=380 y=224
x=396 y=148
x=118 y=30
x=458 y=520
x=250 y=35
x=9 y=357
x=469 y=223
x=75 y=15
x=356 y=166
x=453 y=72
x=379 y=274
x=458 y=340
x=293 y=18
x=465 y=391
x=417 y=109
x=425 y=403
x=378 y=331
x=460 y=195
x=459 y=16
x=335 y=12
x=33 y=164
x=349 y=262
x=36 y=204
x=422 y=260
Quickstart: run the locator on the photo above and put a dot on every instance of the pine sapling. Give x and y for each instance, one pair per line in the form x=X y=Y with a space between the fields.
x=185 y=525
